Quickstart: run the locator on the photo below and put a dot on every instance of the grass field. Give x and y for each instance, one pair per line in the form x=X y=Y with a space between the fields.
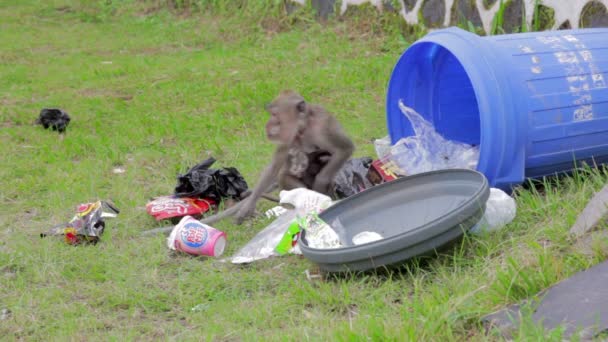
x=156 y=91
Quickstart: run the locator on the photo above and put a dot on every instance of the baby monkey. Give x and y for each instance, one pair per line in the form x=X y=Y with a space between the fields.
x=300 y=130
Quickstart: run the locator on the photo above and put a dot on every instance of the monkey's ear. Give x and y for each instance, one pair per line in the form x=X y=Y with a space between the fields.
x=301 y=107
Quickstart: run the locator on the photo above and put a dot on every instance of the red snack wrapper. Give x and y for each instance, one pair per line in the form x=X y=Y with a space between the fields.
x=388 y=170
x=167 y=207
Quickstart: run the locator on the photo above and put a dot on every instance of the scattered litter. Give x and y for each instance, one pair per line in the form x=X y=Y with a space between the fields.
x=384 y=170
x=595 y=212
x=87 y=225
x=200 y=308
x=202 y=182
x=275 y=212
x=119 y=170
x=319 y=234
x=352 y=177
x=298 y=203
x=54 y=118
x=5 y=314
x=311 y=276
x=170 y=207
x=289 y=239
x=195 y=238
x=366 y=237
x=500 y=211
x=427 y=150
x=263 y=244
x=382 y=146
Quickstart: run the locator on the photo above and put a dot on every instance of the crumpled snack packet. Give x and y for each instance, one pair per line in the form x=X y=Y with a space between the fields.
x=171 y=207
x=87 y=225
x=319 y=234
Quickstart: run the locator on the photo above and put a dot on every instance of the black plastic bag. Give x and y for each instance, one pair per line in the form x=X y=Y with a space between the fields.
x=54 y=118
x=217 y=184
x=352 y=177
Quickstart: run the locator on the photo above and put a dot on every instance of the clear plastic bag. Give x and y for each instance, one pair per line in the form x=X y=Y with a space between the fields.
x=382 y=146
x=300 y=202
x=427 y=150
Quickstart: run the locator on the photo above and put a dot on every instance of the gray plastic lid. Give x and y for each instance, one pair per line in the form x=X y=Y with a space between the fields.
x=415 y=215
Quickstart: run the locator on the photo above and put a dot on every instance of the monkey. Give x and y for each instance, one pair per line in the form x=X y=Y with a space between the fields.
x=311 y=147
x=300 y=130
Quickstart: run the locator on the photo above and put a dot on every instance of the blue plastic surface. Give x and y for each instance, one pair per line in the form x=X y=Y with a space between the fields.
x=536 y=103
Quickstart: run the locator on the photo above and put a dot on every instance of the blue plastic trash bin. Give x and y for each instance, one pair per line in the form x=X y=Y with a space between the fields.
x=535 y=103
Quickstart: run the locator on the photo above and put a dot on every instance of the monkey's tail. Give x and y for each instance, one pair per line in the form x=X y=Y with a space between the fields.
x=219 y=216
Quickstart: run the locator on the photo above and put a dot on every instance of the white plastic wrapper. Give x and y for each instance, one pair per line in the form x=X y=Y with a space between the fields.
x=262 y=246
x=500 y=211
x=275 y=211
x=304 y=200
x=366 y=237
x=427 y=150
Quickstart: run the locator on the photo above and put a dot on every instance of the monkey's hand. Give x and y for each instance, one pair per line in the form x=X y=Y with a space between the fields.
x=245 y=211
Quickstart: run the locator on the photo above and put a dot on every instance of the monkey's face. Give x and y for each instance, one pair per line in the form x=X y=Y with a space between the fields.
x=282 y=126
x=287 y=116
x=273 y=128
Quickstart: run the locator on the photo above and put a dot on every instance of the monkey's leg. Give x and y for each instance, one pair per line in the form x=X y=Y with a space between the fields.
x=290 y=182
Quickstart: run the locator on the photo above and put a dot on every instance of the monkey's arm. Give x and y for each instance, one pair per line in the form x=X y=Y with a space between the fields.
x=219 y=216
x=341 y=148
x=267 y=178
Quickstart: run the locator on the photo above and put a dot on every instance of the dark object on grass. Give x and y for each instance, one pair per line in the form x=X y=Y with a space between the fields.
x=415 y=216
x=595 y=212
x=54 y=118
x=352 y=177
x=579 y=304
x=217 y=184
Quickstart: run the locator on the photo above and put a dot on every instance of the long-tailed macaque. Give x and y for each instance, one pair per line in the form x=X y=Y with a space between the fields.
x=311 y=149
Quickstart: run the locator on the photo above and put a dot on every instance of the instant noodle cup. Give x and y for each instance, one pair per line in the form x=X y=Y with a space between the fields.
x=196 y=238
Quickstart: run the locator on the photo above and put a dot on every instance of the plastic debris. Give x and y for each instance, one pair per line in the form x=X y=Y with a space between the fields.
x=200 y=308
x=500 y=211
x=170 y=207
x=215 y=184
x=298 y=202
x=289 y=239
x=352 y=177
x=196 y=238
x=54 y=118
x=275 y=211
x=427 y=150
x=5 y=314
x=319 y=234
x=87 y=225
x=366 y=237
x=382 y=146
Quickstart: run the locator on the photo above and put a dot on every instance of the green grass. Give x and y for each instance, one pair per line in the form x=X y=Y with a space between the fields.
x=156 y=92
